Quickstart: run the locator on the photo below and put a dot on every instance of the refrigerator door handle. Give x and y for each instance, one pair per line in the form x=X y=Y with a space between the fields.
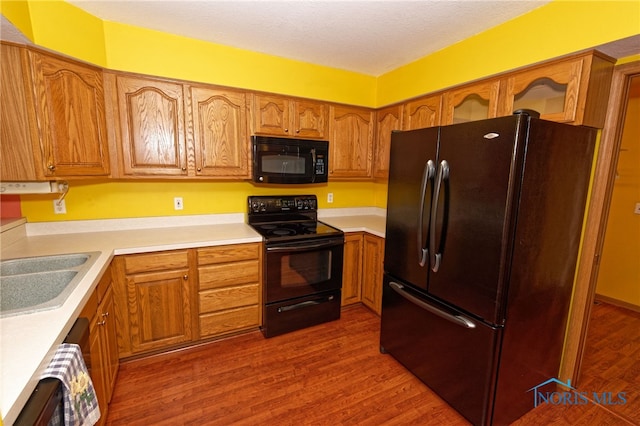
x=443 y=174
x=427 y=176
x=456 y=319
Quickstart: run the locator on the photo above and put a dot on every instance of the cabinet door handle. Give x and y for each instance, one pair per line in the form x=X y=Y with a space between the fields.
x=102 y=322
x=286 y=130
x=51 y=167
x=106 y=314
x=185 y=277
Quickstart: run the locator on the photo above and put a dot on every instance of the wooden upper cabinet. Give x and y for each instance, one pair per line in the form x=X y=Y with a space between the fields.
x=387 y=120
x=310 y=119
x=351 y=142
x=217 y=131
x=70 y=111
x=477 y=101
x=18 y=130
x=422 y=112
x=151 y=139
x=571 y=90
x=280 y=116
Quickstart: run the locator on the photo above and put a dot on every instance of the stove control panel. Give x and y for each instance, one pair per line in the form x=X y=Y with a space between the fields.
x=282 y=204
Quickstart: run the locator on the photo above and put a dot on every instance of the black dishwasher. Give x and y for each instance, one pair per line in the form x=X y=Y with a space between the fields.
x=45 y=402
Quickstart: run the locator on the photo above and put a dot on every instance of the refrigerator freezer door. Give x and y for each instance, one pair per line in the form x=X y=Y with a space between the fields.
x=456 y=361
x=412 y=166
x=472 y=221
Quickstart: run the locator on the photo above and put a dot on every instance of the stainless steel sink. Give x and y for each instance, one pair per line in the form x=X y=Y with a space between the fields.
x=35 y=284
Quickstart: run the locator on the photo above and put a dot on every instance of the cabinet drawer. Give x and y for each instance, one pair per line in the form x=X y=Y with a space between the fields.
x=230 y=253
x=229 y=274
x=227 y=298
x=161 y=261
x=225 y=321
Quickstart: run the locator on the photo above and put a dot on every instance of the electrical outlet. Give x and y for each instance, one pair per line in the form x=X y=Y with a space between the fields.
x=330 y=197
x=637 y=209
x=177 y=203
x=59 y=207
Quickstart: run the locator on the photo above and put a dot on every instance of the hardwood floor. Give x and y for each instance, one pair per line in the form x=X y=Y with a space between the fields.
x=331 y=374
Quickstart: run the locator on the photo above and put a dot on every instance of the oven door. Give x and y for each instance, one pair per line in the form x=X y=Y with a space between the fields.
x=303 y=268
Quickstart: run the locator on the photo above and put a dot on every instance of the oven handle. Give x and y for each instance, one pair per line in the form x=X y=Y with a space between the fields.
x=305 y=304
x=305 y=246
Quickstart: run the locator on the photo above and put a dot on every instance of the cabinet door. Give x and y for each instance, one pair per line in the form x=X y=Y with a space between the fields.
x=310 y=119
x=109 y=344
x=218 y=128
x=372 y=271
x=351 y=142
x=352 y=268
x=96 y=366
x=159 y=309
x=387 y=120
x=422 y=112
x=69 y=101
x=151 y=121
x=271 y=115
x=470 y=103
x=552 y=91
x=18 y=130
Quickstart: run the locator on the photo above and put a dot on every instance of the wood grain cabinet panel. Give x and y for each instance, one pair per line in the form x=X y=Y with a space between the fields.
x=351 y=142
x=352 y=268
x=387 y=120
x=372 y=271
x=150 y=116
x=422 y=112
x=217 y=123
x=289 y=117
x=70 y=111
x=229 y=288
x=103 y=362
x=154 y=296
x=18 y=129
x=569 y=90
x=473 y=102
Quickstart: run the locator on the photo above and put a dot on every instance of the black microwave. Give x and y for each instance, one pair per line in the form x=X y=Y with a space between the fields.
x=289 y=161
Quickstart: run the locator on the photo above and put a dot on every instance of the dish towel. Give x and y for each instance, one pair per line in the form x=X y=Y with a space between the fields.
x=79 y=397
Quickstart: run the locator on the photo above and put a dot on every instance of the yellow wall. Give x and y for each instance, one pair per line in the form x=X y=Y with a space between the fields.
x=106 y=200
x=619 y=274
x=551 y=30
x=556 y=29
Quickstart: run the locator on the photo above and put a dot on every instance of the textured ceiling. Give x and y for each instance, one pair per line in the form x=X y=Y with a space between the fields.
x=370 y=37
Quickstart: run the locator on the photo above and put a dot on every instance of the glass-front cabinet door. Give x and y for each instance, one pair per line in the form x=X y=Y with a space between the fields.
x=552 y=91
x=471 y=103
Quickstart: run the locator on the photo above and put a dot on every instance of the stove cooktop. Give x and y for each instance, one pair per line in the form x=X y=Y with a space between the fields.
x=272 y=230
x=287 y=217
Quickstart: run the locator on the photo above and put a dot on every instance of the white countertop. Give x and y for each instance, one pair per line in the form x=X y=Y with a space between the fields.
x=28 y=342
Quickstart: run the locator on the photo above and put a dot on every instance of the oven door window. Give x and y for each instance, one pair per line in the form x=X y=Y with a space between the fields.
x=297 y=273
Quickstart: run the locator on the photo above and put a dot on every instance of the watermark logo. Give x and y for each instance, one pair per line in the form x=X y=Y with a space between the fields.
x=572 y=396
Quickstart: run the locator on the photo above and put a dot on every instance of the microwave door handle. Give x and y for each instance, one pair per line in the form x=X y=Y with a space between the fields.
x=313 y=165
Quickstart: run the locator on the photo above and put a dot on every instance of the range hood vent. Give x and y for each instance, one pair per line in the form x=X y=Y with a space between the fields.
x=53 y=187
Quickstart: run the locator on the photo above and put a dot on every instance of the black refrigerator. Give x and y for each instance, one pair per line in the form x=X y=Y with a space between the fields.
x=482 y=235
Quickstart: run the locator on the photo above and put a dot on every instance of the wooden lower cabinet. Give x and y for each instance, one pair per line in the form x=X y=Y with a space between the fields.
x=352 y=268
x=174 y=298
x=372 y=270
x=103 y=362
x=153 y=294
x=362 y=271
x=229 y=279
